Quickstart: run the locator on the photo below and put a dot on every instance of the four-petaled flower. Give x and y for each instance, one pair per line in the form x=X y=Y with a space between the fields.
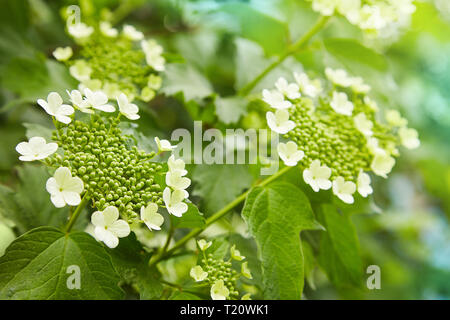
x=289 y=153
x=174 y=201
x=131 y=33
x=409 y=138
x=311 y=88
x=175 y=180
x=80 y=30
x=245 y=270
x=54 y=106
x=363 y=184
x=176 y=165
x=344 y=190
x=382 y=164
x=236 y=254
x=78 y=102
x=98 y=100
x=128 y=109
x=153 y=57
x=363 y=124
x=275 y=99
x=36 y=149
x=341 y=104
x=219 y=291
x=339 y=77
x=394 y=118
x=107 y=30
x=81 y=70
x=108 y=227
x=152 y=219
x=62 y=54
x=279 y=121
x=198 y=274
x=317 y=176
x=203 y=244
x=64 y=189
x=290 y=90
x=164 y=145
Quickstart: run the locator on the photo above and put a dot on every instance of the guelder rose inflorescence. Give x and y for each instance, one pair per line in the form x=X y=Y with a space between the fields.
x=95 y=160
x=333 y=132
x=113 y=61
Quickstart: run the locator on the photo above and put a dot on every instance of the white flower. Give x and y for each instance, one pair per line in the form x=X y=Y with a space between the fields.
x=198 y=274
x=174 y=201
x=341 y=104
x=175 y=180
x=374 y=146
x=409 y=138
x=290 y=90
x=107 y=30
x=344 y=190
x=371 y=18
x=363 y=184
x=129 y=110
x=219 y=291
x=339 y=77
x=245 y=270
x=382 y=164
x=279 y=122
x=64 y=189
x=289 y=153
x=363 y=124
x=91 y=84
x=164 y=145
x=151 y=217
x=98 y=100
x=203 y=244
x=80 y=70
x=394 y=118
x=176 y=165
x=80 y=30
x=371 y=104
x=153 y=54
x=359 y=86
x=311 y=88
x=36 y=149
x=62 y=54
x=108 y=227
x=77 y=100
x=54 y=106
x=275 y=99
x=325 y=7
x=317 y=176
x=236 y=254
x=131 y=33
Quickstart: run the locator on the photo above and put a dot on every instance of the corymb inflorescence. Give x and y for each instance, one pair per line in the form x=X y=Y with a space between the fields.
x=334 y=133
x=94 y=162
x=113 y=61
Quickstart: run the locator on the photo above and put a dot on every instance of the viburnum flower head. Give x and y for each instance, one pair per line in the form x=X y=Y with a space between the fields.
x=129 y=110
x=317 y=176
x=290 y=90
x=341 y=104
x=275 y=99
x=152 y=219
x=344 y=190
x=198 y=274
x=174 y=201
x=279 y=121
x=203 y=244
x=219 y=291
x=289 y=153
x=363 y=184
x=176 y=165
x=62 y=54
x=108 y=227
x=131 y=33
x=64 y=189
x=311 y=88
x=54 y=106
x=98 y=100
x=36 y=149
x=164 y=145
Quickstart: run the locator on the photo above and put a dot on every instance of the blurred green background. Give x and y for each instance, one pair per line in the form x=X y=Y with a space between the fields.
x=214 y=47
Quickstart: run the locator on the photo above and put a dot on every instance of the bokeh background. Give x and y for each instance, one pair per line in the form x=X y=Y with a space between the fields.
x=218 y=45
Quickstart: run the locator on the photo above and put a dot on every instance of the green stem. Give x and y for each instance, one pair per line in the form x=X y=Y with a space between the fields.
x=218 y=215
x=77 y=212
x=294 y=48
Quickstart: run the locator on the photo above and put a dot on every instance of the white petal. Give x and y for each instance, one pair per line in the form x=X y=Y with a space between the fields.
x=120 y=228
x=71 y=198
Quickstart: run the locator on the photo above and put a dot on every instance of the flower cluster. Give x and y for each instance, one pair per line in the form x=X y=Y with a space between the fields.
x=377 y=17
x=97 y=160
x=333 y=132
x=115 y=62
x=219 y=275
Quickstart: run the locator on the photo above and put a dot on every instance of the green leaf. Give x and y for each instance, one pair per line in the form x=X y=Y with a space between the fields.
x=38 y=130
x=178 y=295
x=131 y=262
x=276 y=214
x=192 y=218
x=349 y=51
x=184 y=78
x=219 y=184
x=230 y=109
x=339 y=248
x=35 y=266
